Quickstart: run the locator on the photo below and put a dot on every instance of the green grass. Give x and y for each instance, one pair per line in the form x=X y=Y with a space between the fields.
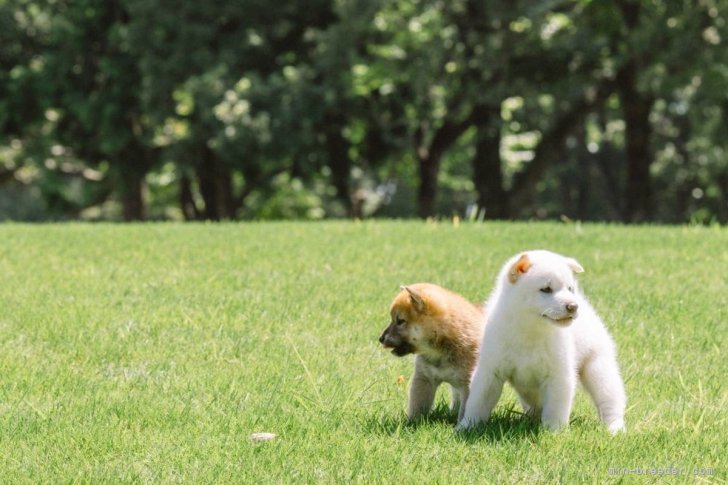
x=152 y=352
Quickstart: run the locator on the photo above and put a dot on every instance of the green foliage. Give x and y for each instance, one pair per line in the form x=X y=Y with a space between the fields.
x=99 y=99
x=152 y=352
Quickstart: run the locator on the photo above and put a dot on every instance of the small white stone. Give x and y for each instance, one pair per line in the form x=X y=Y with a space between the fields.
x=257 y=437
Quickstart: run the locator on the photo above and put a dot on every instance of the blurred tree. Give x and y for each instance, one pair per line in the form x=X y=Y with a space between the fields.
x=408 y=74
x=20 y=42
x=244 y=110
x=654 y=50
x=93 y=84
x=229 y=86
x=20 y=38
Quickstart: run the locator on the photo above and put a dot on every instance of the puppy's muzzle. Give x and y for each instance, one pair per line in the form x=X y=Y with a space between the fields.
x=383 y=337
x=399 y=347
x=562 y=315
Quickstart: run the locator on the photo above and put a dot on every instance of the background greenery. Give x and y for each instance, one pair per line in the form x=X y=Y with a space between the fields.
x=132 y=109
x=152 y=352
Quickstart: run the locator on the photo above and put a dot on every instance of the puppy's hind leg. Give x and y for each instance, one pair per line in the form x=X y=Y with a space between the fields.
x=459 y=396
x=600 y=377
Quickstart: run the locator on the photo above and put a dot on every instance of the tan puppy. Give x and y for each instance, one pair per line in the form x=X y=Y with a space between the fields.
x=444 y=330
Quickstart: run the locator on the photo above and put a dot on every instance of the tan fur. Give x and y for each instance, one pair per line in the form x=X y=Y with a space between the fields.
x=519 y=267
x=444 y=330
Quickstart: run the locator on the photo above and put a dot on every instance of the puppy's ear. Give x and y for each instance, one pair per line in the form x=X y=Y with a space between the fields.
x=417 y=302
x=574 y=265
x=519 y=267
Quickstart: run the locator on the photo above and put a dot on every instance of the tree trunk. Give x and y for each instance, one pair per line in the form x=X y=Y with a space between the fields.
x=549 y=152
x=186 y=199
x=636 y=109
x=429 y=167
x=131 y=166
x=487 y=170
x=551 y=149
x=583 y=175
x=337 y=151
x=132 y=194
x=430 y=154
x=722 y=181
x=215 y=182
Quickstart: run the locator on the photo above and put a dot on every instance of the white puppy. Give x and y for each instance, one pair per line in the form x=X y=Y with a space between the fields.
x=541 y=336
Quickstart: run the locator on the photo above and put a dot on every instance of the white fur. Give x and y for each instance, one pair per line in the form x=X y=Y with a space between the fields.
x=531 y=342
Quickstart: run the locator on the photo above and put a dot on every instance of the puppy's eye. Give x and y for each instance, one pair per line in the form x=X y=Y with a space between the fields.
x=400 y=321
x=546 y=289
x=571 y=289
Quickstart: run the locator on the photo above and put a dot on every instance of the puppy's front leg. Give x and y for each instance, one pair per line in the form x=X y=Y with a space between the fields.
x=422 y=389
x=485 y=390
x=557 y=400
x=421 y=396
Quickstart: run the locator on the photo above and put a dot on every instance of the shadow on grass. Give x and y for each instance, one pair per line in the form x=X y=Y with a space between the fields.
x=394 y=424
x=503 y=425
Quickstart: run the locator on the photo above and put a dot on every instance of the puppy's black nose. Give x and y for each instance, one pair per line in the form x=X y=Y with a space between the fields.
x=381 y=339
x=572 y=307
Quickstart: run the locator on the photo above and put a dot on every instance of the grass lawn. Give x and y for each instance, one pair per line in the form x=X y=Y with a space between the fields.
x=152 y=352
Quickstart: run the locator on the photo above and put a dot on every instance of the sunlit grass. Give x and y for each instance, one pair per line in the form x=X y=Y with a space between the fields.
x=153 y=352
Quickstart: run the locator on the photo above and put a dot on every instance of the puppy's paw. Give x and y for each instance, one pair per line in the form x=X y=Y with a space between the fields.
x=464 y=425
x=555 y=425
x=616 y=427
